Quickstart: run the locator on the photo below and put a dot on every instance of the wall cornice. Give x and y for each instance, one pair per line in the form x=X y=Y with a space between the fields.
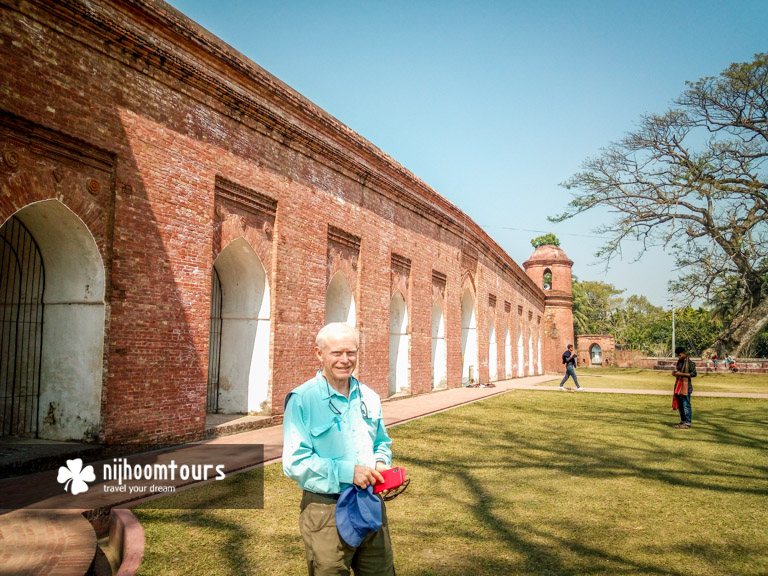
x=166 y=42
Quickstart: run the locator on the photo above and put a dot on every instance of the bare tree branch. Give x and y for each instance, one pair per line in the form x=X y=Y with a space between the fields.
x=693 y=180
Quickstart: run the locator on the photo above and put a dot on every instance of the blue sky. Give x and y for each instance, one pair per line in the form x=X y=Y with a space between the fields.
x=495 y=103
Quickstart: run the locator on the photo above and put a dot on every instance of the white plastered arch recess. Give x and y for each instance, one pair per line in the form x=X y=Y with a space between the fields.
x=399 y=344
x=245 y=330
x=439 y=347
x=72 y=360
x=339 y=301
x=469 y=351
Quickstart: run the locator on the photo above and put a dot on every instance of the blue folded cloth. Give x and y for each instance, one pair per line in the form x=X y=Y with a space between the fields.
x=358 y=513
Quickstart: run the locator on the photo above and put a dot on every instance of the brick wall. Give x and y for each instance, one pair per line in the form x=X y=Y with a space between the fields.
x=585 y=342
x=203 y=147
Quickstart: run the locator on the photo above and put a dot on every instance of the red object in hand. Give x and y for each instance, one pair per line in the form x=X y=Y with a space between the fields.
x=393 y=478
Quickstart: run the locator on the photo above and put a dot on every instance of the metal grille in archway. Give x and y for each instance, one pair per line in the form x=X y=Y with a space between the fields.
x=214 y=344
x=22 y=282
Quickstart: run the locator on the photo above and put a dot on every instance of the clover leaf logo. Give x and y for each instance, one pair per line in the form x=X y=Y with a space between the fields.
x=75 y=474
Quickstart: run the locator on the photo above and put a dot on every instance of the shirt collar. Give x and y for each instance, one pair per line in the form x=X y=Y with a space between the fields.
x=329 y=391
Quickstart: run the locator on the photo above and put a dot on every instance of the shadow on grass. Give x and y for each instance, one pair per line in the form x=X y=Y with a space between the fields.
x=532 y=483
x=584 y=443
x=214 y=529
x=641 y=449
x=226 y=553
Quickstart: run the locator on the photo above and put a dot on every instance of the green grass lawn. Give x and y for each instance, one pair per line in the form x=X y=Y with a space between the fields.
x=635 y=379
x=526 y=483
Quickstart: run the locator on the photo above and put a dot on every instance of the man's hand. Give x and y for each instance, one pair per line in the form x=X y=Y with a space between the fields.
x=366 y=476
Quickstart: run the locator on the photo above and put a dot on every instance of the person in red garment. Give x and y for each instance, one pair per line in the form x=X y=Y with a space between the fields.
x=681 y=400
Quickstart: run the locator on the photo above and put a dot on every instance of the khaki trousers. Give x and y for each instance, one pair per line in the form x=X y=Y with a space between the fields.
x=329 y=555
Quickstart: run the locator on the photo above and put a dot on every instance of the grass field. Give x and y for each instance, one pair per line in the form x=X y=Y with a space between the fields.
x=526 y=483
x=635 y=379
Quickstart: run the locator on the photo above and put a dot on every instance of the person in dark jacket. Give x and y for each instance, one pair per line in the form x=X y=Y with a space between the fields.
x=684 y=371
x=569 y=359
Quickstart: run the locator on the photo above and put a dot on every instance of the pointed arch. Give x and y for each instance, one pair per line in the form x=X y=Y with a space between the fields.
x=538 y=356
x=493 y=360
x=245 y=330
x=70 y=369
x=596 y=354
x=439 y=347
x=546 y=281
x=340 y=301
x=469 y=351
x=399 y=344
x=507 y=352
x=531 y=367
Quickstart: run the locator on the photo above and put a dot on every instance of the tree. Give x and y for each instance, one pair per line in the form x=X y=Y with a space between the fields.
x=594 y=304
x=544 y=240
x=639 y=325
x=694 y=181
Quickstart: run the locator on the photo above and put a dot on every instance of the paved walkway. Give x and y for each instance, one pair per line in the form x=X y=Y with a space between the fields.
x=43 y=542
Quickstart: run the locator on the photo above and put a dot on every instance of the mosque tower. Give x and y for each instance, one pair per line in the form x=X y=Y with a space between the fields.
x=550 y=269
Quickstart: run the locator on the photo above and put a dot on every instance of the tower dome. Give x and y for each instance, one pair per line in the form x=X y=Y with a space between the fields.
x=550 y=269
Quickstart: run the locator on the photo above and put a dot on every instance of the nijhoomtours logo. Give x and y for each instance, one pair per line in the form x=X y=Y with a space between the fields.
x=76 y=476
x=147 y=478
x=187 y=476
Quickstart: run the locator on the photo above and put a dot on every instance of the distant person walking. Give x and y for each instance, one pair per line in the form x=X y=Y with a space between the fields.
x=569 y=359
x=681 y=399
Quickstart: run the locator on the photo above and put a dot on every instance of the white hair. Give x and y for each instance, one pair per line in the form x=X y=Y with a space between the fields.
x=336 y=330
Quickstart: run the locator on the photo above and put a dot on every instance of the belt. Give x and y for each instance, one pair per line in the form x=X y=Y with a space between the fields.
x=313 y=497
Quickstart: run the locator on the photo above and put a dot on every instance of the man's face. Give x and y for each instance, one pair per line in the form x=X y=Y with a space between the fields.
x=681 y=355
x=338 y=357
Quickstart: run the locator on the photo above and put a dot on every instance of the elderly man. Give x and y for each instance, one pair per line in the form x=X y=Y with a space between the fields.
x=334 y=436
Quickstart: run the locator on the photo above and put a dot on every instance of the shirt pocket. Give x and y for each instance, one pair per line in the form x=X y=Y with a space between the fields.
x=328 y=440
x=372 y=420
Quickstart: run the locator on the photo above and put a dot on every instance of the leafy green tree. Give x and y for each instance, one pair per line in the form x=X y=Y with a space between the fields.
x=636 y=324
x=593 y=306
x=694 y=180
x=580 y=307
x=639 y=325
x=695 y=329
x=758 y=348
x=546 y=239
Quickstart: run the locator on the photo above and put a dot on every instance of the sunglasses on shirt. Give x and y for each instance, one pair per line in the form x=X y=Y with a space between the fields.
x=337 y=412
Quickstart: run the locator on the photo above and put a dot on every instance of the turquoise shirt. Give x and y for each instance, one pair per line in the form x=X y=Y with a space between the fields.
x=325 y=435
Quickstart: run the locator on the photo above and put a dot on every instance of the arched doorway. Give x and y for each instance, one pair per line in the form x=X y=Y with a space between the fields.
x=399 y=344
x=507 y=353
x=339 y=301
x=596 y=354
x=520 y=356
x=51 y=382
x=531 y=368
x=493 y=360
x=243 y=362
x=439 y=348
x=538 y=357
x=468 y=339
